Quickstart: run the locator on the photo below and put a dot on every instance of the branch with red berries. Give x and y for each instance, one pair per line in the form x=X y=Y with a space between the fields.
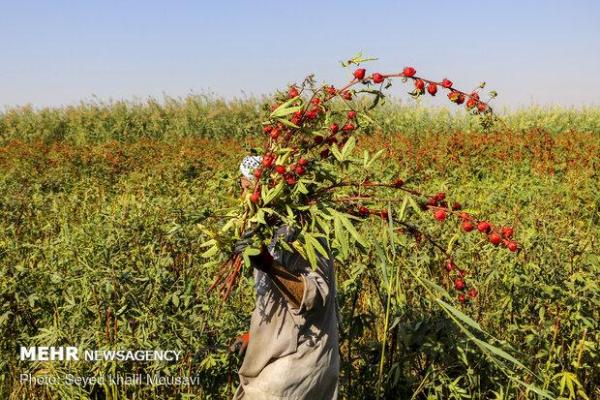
x=308 y=165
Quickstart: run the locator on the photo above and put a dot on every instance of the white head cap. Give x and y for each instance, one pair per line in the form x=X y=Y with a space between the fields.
x=248 y=165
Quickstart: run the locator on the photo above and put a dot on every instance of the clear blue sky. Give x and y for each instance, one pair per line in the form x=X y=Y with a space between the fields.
x=61 y=52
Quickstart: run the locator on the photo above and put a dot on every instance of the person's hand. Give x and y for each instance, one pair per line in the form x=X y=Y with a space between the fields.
x=264 y=261
x=244 y=241
x=240 y=344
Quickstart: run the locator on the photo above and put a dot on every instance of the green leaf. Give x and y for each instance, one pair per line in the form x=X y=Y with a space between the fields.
x=285 y=109
x=287 y=122
x=497 y=351
x=340 y=235
x=310 y=253
x=348 y=147
x=208 y=243
x=534 y=388
x=336 y=153
x=460 y=315
x=414 y=205
x=350 y=228
x=271 y=194
x=316 y=244
x=300 y=187
x=375 y=157
x=210 y=252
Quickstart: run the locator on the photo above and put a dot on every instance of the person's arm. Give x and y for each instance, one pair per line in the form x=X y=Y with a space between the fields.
x=289 y=284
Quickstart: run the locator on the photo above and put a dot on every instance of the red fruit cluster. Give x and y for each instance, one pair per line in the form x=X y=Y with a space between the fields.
x=439 y=207
x=421 y=85
x=494 y=236
x=459 y=282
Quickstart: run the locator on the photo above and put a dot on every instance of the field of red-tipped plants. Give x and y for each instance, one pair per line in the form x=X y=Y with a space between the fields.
x=467 y=245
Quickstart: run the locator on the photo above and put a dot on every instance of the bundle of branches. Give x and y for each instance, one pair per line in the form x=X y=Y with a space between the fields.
x=310 y=177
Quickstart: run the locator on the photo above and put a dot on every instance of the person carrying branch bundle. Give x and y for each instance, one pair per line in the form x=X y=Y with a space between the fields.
x=292 y=348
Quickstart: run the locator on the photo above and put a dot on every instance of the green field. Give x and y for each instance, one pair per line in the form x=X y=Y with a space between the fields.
x=100 y=248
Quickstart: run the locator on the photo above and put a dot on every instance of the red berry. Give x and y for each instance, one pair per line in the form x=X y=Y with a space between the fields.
x=484 y=227
x=471 y=103
x=459 y=284
x=300 y=170
x=258 y=173
x=378 y=78
x=324 y=153
x=360 y=74
x=450 y=266
x=267 y=128
x=275 y=133
x=255 y=197
x=462 y=298
x=440 y=196
x=291 y=180
x=303 y=162
x=384 y=215
x=460 y=99
x=475 y=95
x=312 y=113
x=409 y=72
x=334 y=128
x=280 y=169
x=432 y=89
x=512 y=246
x=398 y=183
x=346 y=95
x=318 y=139
x=419 y=84
x=440 y=215
x=432 y=201
x=446 y=83
x=467 y=226
x=267 y=161
x=293 y=92
x=473 y=293
x=331 y=91
x=348 y=127
x=507 y=232
x=364 y=211
x=456 y=206
x=351 y=114
x=494 y=238
x=315 y=101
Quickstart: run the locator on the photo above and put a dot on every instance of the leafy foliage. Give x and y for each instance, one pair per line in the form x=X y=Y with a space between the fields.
x=101 y=247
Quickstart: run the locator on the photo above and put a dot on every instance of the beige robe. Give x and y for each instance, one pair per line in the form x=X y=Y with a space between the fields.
x=293 y=353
